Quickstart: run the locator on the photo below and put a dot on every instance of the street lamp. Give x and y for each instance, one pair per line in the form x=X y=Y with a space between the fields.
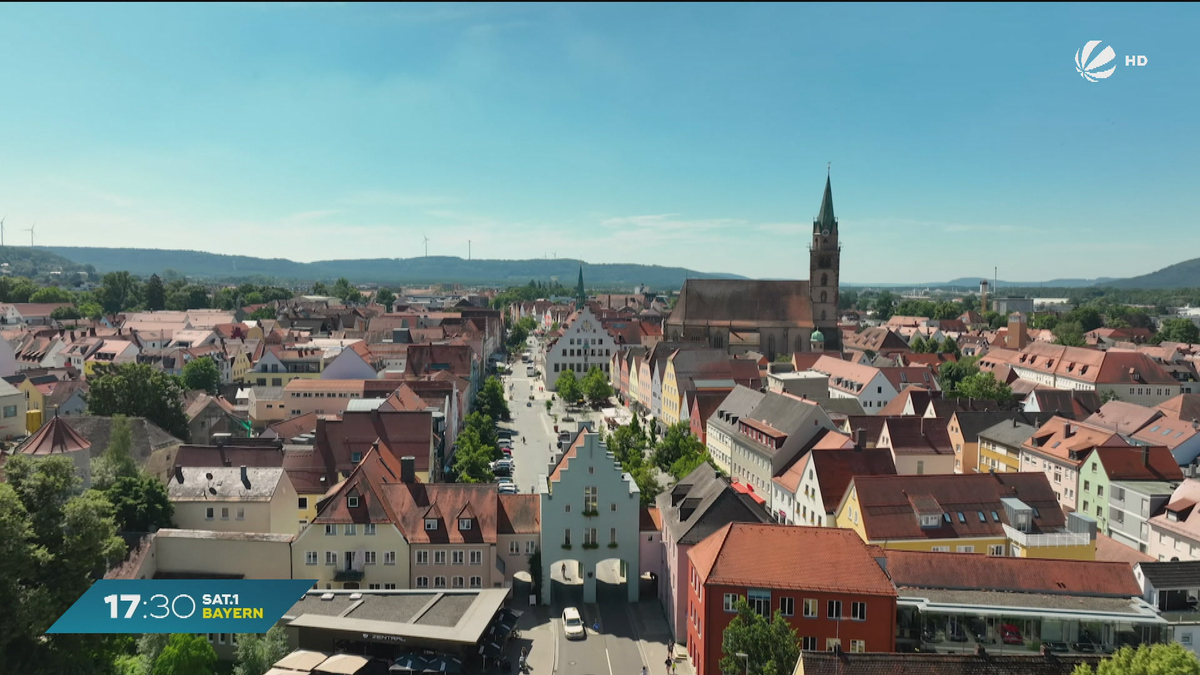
x=745 y=657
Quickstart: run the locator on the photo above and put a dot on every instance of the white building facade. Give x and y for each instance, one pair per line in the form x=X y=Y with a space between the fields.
x=583 y=345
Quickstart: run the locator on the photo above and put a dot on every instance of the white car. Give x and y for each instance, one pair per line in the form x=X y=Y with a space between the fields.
x=573 y=624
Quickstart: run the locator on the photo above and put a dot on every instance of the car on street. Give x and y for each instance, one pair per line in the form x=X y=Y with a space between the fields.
x=573 y=624
x=507 y=451
x=502 y=467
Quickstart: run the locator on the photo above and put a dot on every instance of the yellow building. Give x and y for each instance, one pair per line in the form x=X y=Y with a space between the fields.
x=684 y=366
x=1003 y=515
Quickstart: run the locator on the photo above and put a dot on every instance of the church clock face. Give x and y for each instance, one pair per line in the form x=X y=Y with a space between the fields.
x=586 y=325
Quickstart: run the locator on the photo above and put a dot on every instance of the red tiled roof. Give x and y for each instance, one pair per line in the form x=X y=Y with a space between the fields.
x=1110 y=550
x=920 y=399
x=56 y=436
x=650 y=519
x=835 y=470
x=921 y=569
x=1140 y=463
x=785 y=556
x=918 y=436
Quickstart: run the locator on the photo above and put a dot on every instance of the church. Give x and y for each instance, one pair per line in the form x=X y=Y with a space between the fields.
x=769 y=317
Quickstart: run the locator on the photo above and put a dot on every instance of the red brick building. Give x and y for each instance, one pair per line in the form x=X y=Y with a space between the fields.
x=826 y=581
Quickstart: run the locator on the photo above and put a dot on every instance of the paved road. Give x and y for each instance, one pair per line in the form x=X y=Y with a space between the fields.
x=610 y=651
x=533 y=424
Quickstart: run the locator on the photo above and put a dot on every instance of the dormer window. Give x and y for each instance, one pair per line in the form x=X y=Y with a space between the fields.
x=355 y=457
x=464 y=523
x=352 y=502
x=929 y=521
x=431 y=523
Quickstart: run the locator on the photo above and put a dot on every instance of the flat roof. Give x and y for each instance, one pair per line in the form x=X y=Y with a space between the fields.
x=1147 y=487
x=1033 y=605
x=446 y=616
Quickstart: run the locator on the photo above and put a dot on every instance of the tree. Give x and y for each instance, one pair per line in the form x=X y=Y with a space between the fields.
x=52 y=294
x=1070 y=334
x=257 y=653
x=678 y=450
x=262 y=314
x=385 y=297
x=117 y=460
x=884 y=305
x=138 y=390
x=91 y=310
x=149 y=646
x=55 y=541
x=183 y=298
x=472 y=459
x=995 y=320
x=118 y=291
x=770 y=644
x=1044 y=321
x=186 y=654
x=1159 y=659
x=1108 y=395
x=1087 y=317
x=202 y=374
x=568 y=387
x=951 y=373
x=490 y=400
x=319 y=288
x=140 y=504
x=985 y=386
x=595 y=386
x=484 y=428
x=344 y=290
x=65 y=313
x=156 y=294
x=918 y=345
x=1179 y=330
x=950 y=346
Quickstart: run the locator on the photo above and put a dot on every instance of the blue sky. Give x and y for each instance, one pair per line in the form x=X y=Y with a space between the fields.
x=961 y=137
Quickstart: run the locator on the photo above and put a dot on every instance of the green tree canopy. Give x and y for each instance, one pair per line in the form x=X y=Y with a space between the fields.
x=1159 y=659
x=595 y=386
x=65 y=313
x=186 y=654
x=319 y=288
x=1087 y=317
x=490 y=400
x=257 y=653
x=884 y=305
x=770 y=645
x=52 y=294
x=678 y=452
x=202 y=374
x=118 y=291
x=985 y=386
x=262 y=314
x=156 y=294
x=385 y=297
x=951 y=373
x=950 y=346
x=1070 y=334
x=138 y=390
x=1179 y=330
x=140 y=504
x=117 y=460
x=568 y=387
x=472 y=458
x=918 y=345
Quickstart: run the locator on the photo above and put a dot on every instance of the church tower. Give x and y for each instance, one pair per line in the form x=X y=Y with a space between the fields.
x=824 y=270
x=580 y=295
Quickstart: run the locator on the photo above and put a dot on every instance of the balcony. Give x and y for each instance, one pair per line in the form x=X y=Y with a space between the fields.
x=348 y=575
x=1046 y=539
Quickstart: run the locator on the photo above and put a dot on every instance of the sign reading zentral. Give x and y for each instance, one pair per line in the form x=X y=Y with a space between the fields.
x=383 y=638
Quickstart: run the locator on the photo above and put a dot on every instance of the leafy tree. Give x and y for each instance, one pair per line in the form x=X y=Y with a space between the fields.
x=187 y=297
x=595 y=386
x=625 y=442
x=847 y=299
x=884 y=305
x=1044 y=321
x=118 y=291
x=262 y=314
x=985 y=386
x=472 y=458
x=568 y=387
x=51 y=294
x=54 y=541
x=770 y=644
x=344 y=290
x=484 y=428
x=918 y=344
x=646 y=479
x=783 y=358
x=186 y=654
x=490 y=400
x=117 y=460
x=1070 y=334
x=951 y=373
x=950 y=346
x=202 y=374
x=1108 y=395
x=65 y=313
x=1179 y=330
x=1087 y=317
x=947 y=310
x=517 y=335
x=138 y=390
x=156 y=294
x=91 y=310
x=319 y=288
x=678 y=444
x=141 y=503
x=1159 y=659
x=149 y=646
x=385 y=297
x=970 y=303
x=554 y=327
x=995 y=320
x=257 y=653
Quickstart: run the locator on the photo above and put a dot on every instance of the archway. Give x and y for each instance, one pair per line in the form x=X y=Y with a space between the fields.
x=612 y=580
x=566 y=583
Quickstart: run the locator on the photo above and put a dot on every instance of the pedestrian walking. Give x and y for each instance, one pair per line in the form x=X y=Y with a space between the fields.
x=645 y=670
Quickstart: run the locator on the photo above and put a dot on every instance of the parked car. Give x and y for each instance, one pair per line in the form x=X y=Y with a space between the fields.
x=507 y=451
x=502 y=467
x=507 y=489
x=573 y=624
x=1010 y=634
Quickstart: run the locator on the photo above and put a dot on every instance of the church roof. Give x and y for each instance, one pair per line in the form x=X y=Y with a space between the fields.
x=56 y=436
x=743 y=303
x=825 y=218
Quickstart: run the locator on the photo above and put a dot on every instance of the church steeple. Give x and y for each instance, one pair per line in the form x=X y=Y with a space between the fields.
x=824 y=275
x=580 y=296
x=826 y=221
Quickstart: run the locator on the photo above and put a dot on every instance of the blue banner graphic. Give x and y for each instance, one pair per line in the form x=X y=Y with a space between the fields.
x=182 y=606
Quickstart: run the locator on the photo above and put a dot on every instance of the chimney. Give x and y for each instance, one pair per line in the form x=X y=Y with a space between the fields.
x=179 y=474
x=408 y=469
x=860 y=438
x=1067 y=433
x=245 y=478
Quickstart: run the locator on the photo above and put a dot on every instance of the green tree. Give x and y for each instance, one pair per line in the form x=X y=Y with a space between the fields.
x=472 y=458
x=950 y=346
x=1179 y=330
x=847 y=299
x=985 y=386
x=52 y=294
x=117 y=460
x=884 y=305
x=262 y=314
x=1070 y=334
x=202 y=374
x=138 y=390
x=678 y=444
x=54 y=541
x=65 y=314
x=947 y=310
x=951 y=373
x=490 y=400
x=91 y=310
x=156 y=294
x=186 y=654
x=783 y=358
x=1159 y=659
x=595 y=386
x=149 y=646
x=1087 y=317
x=1108 y=395
x=140 y=504
x=770 y=645
x=319 y=288
x=385 y=297
x=118 y=291
x=568 y=387
x=1044 y=321
x=918 y=344
x=257 y=653
x=995 y=320
x=484 y=428
x=187 y=297
x=347 y=292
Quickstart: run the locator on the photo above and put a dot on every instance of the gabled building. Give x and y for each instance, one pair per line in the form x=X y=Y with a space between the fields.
x=1059 y=449
x=233 y=499
x=918 y=445
x=722 y=425
x=1175 y=532
x=1132 y=376
x=810 y=490
x=1125 y=465
x=584 y=344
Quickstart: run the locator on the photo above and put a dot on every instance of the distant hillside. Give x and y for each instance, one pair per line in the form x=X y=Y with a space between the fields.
x=973 y=283
x=432 y=269
x=1180 y=275
x=39 y=263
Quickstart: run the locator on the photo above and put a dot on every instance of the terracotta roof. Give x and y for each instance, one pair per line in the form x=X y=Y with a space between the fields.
x=836 y=469
x=922 y=376
x=888 y=514
x=650 y=519
x=1060 y=437
x=920 y=397
x=402 y=432
x=878 y=340
x=1110 y=550
x=918 y=436
x=1081 y=364
x=404 y=398
x=834 y=560
x=971 y=571
x=790 y=475
x=56 y=436
x=1140 y=463
x=294 y=426
x=743 y=303
x=1183 y=407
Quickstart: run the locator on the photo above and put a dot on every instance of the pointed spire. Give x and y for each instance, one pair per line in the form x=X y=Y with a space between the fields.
x=580 y=297
x=825 y=218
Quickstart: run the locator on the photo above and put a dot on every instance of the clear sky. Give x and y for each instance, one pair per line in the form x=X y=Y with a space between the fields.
x=961 y=137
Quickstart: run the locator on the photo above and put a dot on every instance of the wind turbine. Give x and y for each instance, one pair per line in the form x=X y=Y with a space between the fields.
x=426 y=245
x=468 y=248
x=30 y=231
x=2 y=229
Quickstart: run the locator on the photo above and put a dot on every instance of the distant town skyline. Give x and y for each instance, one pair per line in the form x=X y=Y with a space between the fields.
x=961 y=137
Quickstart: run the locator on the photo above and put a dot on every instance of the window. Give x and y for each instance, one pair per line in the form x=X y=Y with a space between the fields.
x=439 y=557
x=1099 y=490
x=10 y=411
x=439 y=582
x=369 y=529
x=350 y=530
x=240 y=514
x=613 y=508
x=476 y=557
x=809 y=644
x=787 y=606
x=476 y=582
x=389 y=557
x=431 y=523
x=330 y=529
x=303 y=501
x=589 y=537
x=514 y=547
x=731 y=602
x=832 y=644
x=355 y=457
x=464 y=523
x=224 y=513
x=422 y=557
x=310 y=558
x=589 y=499
x=352 y=502
x=373 y=587
x=567 y=538
x=858 y=611
x=422 y=582
x=965 y=549
x=369 y=557
x=459 y=582
x=760 y=601
x=858 y=646
x=456 y=557
x=530 y=547
x=612 y=535
x=834 y=609
x=330 y=557
x=208 y=513
x=940 y=549
x=996 y=549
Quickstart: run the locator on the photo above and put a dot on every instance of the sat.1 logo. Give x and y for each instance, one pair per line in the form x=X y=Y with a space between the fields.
x=1090 y=64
